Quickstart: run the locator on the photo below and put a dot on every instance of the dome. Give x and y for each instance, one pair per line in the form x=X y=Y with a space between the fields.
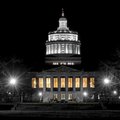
x=62 y=19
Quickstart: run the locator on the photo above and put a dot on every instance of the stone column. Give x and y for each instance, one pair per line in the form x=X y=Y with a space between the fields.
x=59 y=84
x=81 y=89
x=52 y=82
x=73 y=83
x=44 y=84
x=66 y=88
x=66 y=83
x=71 y=48
x=52 y=48
x=58 y=48
x=68 y=48
x=46 y=49
x=78 y=49
x=37 y=83
x=65 y=48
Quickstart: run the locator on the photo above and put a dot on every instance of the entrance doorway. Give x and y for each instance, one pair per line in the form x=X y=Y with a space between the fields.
x=62 y=96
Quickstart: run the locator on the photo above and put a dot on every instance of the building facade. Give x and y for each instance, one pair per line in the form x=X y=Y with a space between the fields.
x=63 y=83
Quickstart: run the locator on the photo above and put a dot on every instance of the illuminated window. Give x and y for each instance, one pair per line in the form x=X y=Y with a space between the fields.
x=62 y=63
x=69 y=96
x=84 y=82
x=48 y=83
x=92 y=82
x=62 y=96
x=55 y=82
x=40 y=82
x=34 y=83
x=69 y=82
x=77 y=82
x=62 y=82
x=55 y=63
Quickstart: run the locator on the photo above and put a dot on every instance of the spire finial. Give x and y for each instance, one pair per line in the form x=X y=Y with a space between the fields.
x=62 y=12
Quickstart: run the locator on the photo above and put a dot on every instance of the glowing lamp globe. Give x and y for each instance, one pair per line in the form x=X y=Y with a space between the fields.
x=12 y=81
x=85 y=94
x=40 y=94
x=106 y=81
x=114 y=92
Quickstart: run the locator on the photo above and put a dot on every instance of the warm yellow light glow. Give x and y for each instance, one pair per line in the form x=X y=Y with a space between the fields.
x=69 y=82
x=62 y=82
x=34 y=83
x=55 y=82
x=48 y=82
x=84 y=82
x=92 y=82
x=77 y=82
x=40 y=82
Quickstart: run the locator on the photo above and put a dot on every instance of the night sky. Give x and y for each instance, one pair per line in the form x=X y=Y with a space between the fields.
x=25 y=27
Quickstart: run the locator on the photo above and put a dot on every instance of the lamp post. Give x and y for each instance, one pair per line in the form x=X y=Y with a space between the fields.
x=85 y=94
x=115 y=95
x=40 y=95
x=106 y=82
x=13 y=82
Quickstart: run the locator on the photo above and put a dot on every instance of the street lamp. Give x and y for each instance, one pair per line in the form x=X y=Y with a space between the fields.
x=106 y=81
x=115 y=92
x=13 y=81
x=85 y=94
x=118 y=97
x=40 y=94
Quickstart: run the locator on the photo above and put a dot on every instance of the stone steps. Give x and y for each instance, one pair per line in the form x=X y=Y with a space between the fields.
x=45 y=107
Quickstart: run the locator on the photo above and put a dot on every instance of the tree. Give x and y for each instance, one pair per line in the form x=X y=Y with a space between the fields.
x=12 y=68
x=111 y=69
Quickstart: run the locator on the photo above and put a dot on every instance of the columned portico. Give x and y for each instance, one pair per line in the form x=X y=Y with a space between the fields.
x=64 y=83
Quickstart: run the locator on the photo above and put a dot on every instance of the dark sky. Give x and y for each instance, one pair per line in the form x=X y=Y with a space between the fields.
x=25 y=27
